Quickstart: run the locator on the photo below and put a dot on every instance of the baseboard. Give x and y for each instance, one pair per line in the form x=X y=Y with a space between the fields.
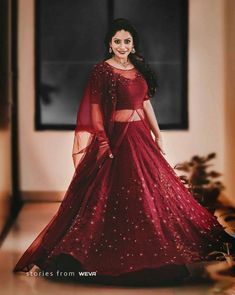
x=42 y=196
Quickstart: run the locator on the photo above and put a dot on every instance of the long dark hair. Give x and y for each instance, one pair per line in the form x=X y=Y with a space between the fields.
x=136 y=58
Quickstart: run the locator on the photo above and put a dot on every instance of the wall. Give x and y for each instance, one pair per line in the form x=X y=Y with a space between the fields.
x=5 y=176
x=229 y=101
x=5 y=115
x=46 y=162
x=45 y=156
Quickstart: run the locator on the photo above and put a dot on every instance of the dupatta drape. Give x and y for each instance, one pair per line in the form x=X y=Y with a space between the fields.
x=90 y=134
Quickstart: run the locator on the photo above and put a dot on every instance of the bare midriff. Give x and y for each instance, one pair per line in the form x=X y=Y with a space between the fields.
x=126 y=115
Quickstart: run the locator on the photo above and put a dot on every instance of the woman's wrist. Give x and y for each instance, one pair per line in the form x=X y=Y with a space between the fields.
x=158 y=137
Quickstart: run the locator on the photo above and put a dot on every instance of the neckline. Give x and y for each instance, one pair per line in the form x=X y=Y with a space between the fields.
x=118 y=68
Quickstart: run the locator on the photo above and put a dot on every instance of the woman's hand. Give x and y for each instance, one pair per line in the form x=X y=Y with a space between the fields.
x=159 y=142
x=111 y=155
x=106 y=150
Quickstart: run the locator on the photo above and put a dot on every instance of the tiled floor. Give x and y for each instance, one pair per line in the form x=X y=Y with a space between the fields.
x=32 y=219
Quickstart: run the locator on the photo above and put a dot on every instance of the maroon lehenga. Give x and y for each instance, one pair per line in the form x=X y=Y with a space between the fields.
x=128 y=213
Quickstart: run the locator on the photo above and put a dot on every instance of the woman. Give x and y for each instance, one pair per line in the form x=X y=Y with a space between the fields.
x=125 y=213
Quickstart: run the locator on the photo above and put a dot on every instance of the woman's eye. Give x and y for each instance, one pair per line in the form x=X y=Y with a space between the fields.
x=119 y=41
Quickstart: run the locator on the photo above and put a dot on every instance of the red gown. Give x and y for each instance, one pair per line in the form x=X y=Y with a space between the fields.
x=124 y=217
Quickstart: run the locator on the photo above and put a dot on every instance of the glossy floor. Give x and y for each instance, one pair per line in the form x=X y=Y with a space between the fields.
x=31 y=220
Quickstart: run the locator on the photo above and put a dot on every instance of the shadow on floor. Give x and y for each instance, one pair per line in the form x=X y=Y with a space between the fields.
x=69 y=270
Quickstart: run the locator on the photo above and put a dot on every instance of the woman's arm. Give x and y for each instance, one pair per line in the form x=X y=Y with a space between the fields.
x=148 y=109
x=149 y=112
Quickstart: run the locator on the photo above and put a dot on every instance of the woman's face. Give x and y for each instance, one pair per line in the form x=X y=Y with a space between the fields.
x=122 y=44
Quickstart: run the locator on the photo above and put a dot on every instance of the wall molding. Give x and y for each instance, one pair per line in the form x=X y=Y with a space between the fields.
x=42 y=196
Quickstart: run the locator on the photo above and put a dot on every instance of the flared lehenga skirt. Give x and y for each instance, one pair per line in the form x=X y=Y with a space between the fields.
x=132 y=214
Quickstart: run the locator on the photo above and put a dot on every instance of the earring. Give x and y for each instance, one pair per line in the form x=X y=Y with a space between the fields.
x=110 y=50
x=133 y=50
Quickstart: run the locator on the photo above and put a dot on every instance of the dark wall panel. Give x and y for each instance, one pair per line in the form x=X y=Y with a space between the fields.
x=69 y=40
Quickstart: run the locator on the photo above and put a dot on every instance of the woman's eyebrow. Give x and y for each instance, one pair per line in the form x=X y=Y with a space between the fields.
x=120 y=39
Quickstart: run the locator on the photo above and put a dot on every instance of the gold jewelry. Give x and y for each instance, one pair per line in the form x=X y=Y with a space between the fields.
x=124 y=64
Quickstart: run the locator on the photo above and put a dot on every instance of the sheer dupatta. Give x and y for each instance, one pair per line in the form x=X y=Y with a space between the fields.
x=90 y=135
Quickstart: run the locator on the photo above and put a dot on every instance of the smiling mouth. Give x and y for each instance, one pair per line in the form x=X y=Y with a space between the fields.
x=122 y=52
